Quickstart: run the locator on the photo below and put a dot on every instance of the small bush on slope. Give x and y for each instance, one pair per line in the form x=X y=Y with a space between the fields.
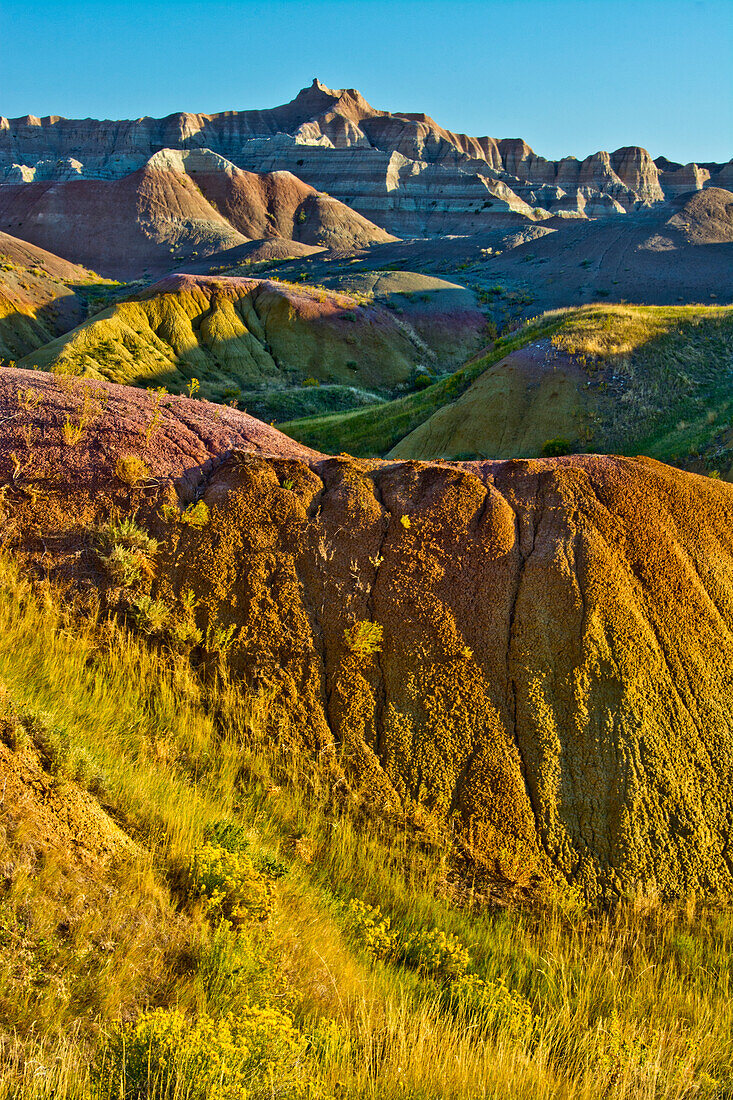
x=165 y=1055
x=635 y=1004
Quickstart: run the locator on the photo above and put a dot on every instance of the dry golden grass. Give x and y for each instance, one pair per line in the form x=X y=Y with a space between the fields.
x=635 y=1004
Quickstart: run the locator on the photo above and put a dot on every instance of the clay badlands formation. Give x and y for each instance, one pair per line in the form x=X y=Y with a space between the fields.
x=366 y=613
x=551 y=678
x=220 y=179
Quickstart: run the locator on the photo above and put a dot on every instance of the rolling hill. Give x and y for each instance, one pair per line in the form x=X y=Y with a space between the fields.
x=265 y=341
x=650 y=380
x=41 y=296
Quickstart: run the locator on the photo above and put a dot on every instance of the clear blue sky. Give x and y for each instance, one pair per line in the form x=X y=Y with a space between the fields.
x=569 y=76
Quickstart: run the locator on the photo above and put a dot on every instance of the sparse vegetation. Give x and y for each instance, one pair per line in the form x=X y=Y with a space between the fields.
x=131 y=470
x=72 y=432
x=364 y=638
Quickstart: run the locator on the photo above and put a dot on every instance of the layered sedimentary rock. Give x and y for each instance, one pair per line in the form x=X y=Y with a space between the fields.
x=403 y=171
x=180 y=205
x=551 y=641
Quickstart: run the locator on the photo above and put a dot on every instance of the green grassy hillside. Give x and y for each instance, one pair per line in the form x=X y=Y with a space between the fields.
x=368 y=432
x=653 y=380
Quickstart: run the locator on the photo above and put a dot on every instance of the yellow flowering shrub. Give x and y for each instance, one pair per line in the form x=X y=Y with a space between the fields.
x=165 y=1055
x=230 y=884
x=196 y=515
x=370 y=929
x=131 y=469
x=435 y=953
x=501 y=1009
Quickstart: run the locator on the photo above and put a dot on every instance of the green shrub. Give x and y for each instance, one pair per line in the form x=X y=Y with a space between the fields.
x=183 y=634
x=126 y=532
x=151 y=616
x=553 y=448
x=165 y=1055
x=220 y=638
x=125 y=567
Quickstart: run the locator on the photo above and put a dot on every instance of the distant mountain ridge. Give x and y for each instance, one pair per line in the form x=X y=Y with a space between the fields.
x=403 y=171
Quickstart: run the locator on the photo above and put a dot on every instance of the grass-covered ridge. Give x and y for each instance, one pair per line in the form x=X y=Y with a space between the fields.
x=341 y=956
x=666 y=378
x=374 y=431
x=653 y=380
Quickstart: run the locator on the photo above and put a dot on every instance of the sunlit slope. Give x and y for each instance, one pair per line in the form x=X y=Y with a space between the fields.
x=536 y=654
x=120 y=766
x=238 y=332
x=654 y=380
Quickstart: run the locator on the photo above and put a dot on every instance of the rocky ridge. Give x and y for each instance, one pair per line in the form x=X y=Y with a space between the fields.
x=404 y=171
x=179 y=205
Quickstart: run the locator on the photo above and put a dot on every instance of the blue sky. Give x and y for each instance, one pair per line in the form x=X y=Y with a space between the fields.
x=569 y=76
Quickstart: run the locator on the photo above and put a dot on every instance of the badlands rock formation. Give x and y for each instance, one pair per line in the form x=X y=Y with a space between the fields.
x=178 y=206
x=551 y=641
x=252 y=333
x=402 y=171
x=41 y=296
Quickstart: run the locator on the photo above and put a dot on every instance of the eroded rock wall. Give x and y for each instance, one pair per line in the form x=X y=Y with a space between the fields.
x=556 y=665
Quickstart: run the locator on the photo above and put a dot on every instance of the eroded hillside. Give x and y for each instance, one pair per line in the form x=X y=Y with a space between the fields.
x=537 y=652
x=245 y=339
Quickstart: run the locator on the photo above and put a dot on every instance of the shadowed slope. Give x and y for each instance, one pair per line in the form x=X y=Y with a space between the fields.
x=647 y=379
x=548 y=664
x=41 y=295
